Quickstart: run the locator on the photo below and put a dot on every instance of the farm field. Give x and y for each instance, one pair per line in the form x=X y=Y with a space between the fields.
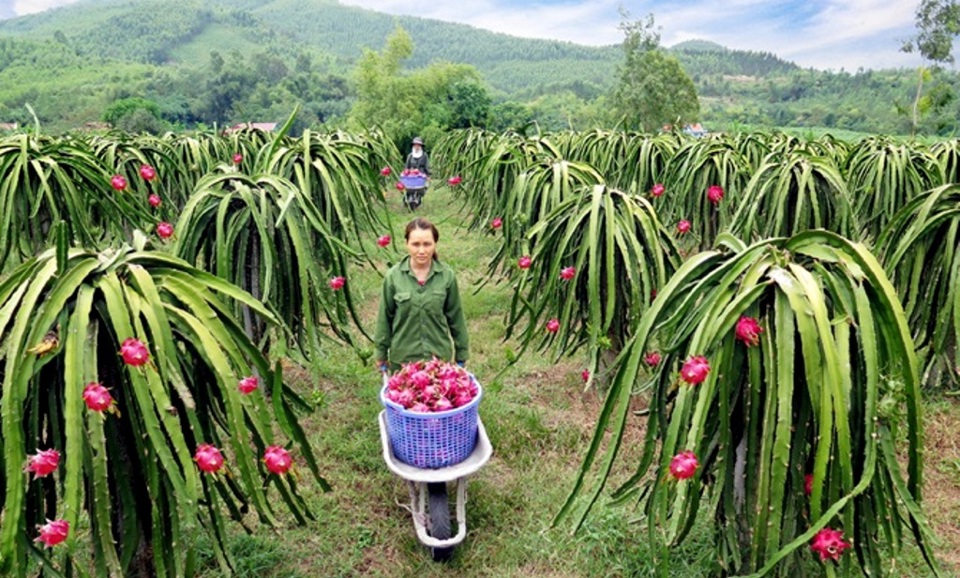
x=749 y=341
x=539 y=420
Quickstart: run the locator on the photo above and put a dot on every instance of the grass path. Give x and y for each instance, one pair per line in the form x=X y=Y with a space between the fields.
x=539 y=421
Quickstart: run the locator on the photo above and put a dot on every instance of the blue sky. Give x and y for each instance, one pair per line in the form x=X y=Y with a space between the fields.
x=826 y=34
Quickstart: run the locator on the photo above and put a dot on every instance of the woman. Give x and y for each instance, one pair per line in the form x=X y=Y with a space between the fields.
x=420 y=313
x=417 y=159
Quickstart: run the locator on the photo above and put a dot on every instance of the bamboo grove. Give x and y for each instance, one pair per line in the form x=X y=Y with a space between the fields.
x=775 y=302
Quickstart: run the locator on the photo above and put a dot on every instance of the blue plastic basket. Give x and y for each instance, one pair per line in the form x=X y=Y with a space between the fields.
x=432 y=440
x=414 y=181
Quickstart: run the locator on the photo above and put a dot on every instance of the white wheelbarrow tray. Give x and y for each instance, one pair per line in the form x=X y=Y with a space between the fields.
x=418 y=478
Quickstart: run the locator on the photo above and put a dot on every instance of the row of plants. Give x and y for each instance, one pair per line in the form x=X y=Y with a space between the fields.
x=778 y=301
x=149 y=288
x=749 y=185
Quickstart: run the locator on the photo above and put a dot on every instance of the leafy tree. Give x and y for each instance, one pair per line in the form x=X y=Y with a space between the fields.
x=938 y=23
x=125 y=107
x=427 y=101
x=509 y=115
x=653 y=88
x=469 y=104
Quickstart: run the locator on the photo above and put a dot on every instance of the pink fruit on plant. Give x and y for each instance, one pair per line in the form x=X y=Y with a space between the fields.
x=683 y=226
x=97 y=397
x=568 y=273
x=524 y=262
x=400 y=186
x=748 y=330
x=147 y=172
x=386 y=171
x=384 y=241
x=715 y=194
x=43 y=463
x=652 y=359
x=454 y=181
x=164 y=230
x=337 y=283
x=53 y=532
x=154 y=200
x=808 y=484
x=208 y=458
x=118 y=182
x=829 y=543
x=553 y=325
x=277 y=459
x=248 y=384
x=684 y=465
x=585 y=375
x=237 y=158
x=496 y=223
x=657 y=190
x=695 y=369
x=134 y=352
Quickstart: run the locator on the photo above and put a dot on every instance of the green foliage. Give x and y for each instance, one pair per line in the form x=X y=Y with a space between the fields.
x=129 y=477
x=266 y=236
x=921 y=250
x=621 y=255
x=791 y=192
x=938 y=23
x=883 y=175
x=47 y=182
x=423 y=102
x=653 y=89
x=805 y=400
x=70 y=64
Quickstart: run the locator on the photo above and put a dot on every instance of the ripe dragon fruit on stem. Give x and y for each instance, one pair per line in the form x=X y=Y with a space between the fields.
x=43 y=463
x=684 y=465
x=277 y=460
x=53 y=532
x=134 y=352
x=208 y=458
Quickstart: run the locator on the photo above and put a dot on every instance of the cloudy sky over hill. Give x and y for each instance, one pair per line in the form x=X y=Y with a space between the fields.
x=818 y=33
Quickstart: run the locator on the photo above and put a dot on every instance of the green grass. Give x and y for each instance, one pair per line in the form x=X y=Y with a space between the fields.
x=539 y=422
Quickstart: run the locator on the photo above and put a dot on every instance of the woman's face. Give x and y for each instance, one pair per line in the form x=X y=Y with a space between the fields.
x=421 y=246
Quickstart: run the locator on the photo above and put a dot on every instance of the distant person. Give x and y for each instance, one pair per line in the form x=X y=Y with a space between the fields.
x=417 y=159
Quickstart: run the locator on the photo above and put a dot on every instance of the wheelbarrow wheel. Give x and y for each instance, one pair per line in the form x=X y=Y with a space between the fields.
x=439 y=510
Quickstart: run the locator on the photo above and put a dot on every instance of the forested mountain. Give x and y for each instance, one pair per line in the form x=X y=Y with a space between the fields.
x=206 y=61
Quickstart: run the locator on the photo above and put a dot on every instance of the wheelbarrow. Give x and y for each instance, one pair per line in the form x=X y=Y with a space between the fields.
x=429 y=503
x=414 y=187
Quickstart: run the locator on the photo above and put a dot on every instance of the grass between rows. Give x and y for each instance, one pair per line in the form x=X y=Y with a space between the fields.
x=539 y=421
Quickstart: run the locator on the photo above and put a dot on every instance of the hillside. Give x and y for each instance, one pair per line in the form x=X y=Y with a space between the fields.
x=70 y=63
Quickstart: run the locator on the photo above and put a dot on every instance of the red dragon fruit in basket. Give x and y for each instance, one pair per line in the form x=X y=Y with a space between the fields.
x=431 y=387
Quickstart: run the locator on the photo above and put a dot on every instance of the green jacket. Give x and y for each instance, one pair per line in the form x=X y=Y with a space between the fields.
x=418 y=322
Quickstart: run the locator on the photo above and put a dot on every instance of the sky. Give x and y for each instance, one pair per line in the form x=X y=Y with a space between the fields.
x=824 y=34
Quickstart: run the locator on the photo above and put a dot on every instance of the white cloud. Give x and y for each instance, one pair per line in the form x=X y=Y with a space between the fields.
x=827 y=34
x=22 y=7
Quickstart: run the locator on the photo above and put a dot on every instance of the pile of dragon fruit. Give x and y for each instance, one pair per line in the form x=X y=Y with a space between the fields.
x=410 y=173
x=432 y=386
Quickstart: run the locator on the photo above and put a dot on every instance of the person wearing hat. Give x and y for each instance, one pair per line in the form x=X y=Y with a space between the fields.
x=417 y=159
